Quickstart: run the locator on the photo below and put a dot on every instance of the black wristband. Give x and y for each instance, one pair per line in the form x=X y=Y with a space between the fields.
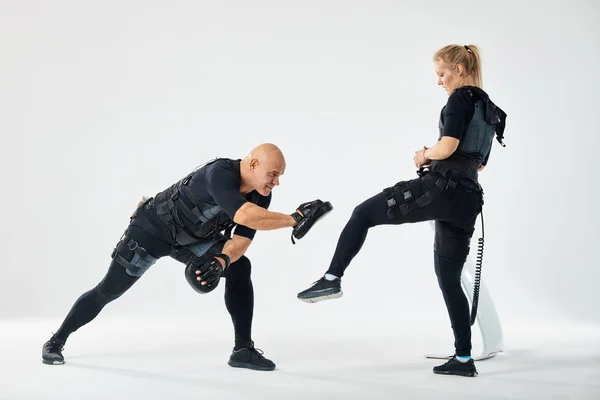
x=297 y=217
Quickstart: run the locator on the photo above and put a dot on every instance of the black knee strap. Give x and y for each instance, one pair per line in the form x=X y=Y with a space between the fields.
x=130 y=247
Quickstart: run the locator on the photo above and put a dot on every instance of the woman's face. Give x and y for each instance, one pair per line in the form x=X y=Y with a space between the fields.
x=448 y=78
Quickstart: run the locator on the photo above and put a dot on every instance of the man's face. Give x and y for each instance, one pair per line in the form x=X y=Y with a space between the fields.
x=266 y=175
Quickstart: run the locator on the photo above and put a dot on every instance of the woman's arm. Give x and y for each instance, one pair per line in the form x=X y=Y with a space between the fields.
x=442 y=149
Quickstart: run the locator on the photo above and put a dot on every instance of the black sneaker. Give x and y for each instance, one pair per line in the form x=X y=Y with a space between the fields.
x=250 y=357
x=455 y=367
x=322 y=289
x=52 y=351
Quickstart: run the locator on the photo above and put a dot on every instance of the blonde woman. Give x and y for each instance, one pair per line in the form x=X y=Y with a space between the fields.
x=446 y=191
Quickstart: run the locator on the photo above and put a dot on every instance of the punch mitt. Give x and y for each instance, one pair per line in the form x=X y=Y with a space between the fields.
x=309 y=213
x=208 y=269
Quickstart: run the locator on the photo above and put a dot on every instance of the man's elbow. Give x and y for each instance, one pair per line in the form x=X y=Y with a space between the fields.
x=242 y=216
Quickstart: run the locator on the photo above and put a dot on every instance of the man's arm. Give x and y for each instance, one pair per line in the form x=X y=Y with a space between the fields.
x=223 y=190
x=236 y=247
x=258 y=218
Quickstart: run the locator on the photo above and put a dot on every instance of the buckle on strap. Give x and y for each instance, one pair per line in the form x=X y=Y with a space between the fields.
x=448 y=174
x=131 y=245
x=390 y=199
x=452 y=183
x=406 y=192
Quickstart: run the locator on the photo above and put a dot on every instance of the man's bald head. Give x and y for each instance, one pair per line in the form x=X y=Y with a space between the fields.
x=262 y=167
x=267 y=152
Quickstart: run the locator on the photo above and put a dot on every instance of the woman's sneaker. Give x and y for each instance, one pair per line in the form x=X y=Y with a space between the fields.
x=323 y=289
x=456 y=367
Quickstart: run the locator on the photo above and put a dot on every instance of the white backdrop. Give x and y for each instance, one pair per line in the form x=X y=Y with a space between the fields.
x=103 y=103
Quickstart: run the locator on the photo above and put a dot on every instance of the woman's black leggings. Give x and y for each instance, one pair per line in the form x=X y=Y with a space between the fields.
x=454 y=212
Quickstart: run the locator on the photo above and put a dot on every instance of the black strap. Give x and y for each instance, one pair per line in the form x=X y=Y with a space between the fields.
x=452 y=182
x=391 y=200
x=454 y=178
x=410 y=203
x=163 y=211
x=134 y=246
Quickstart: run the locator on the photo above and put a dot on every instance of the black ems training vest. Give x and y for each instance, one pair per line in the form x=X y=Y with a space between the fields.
x=189 y=219
x=476 y=141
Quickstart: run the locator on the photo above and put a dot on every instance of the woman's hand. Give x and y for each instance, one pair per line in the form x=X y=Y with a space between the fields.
x=420 y=159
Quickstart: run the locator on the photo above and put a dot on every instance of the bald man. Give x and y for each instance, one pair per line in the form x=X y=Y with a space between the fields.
x=192 y=221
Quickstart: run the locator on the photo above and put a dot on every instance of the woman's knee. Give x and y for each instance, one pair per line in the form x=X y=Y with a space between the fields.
x=360 y=214
x=371 y=212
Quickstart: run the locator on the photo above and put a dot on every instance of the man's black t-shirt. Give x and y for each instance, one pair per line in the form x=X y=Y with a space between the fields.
x=218 y=183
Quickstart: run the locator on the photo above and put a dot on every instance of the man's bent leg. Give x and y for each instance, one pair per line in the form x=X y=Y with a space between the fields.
x=239 y=300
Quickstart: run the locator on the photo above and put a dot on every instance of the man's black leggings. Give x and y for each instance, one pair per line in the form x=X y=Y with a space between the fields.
x=454 y=211
x=239 y=292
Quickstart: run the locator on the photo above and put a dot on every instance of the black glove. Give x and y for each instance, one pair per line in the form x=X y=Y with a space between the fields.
x=210 y=271
x=310 y=213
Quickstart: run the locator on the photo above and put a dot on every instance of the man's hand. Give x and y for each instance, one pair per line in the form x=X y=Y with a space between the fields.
x=224 y=264
x=204 y=273
x=307 y=214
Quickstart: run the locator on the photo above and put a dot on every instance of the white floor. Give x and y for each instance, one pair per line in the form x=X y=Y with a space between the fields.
x=186 y=359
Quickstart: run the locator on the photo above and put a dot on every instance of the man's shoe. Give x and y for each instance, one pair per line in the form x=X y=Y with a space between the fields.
x=247 y=356
x=455 y=367
x=52 y=351
x=322 y=289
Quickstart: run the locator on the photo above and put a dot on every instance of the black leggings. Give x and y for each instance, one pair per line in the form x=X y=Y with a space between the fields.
x=239 y=292
x=239 y=299
x=454 y=212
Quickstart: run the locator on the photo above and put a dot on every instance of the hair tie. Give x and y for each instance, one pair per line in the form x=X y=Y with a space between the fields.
x=468 y=49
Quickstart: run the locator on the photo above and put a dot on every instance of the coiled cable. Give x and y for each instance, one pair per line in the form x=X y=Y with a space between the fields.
x=477 y=278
